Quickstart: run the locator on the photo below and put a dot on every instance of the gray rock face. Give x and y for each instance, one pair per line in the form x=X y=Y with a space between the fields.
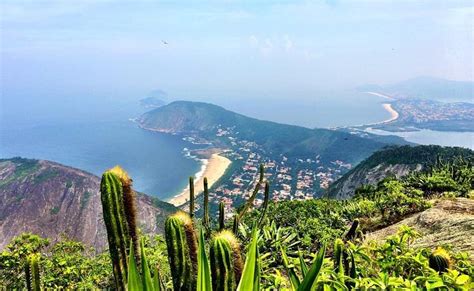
x=345 y=187
x=448 y=222
x=51 y=200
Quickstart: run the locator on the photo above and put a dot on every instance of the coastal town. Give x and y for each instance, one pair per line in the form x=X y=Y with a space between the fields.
x=290 y=178
x=410 y=114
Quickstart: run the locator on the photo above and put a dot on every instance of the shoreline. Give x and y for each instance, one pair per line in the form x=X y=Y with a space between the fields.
x=393 y=113
x=213 y=168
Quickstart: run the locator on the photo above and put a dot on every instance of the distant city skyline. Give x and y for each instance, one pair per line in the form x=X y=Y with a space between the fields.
x=126 y=49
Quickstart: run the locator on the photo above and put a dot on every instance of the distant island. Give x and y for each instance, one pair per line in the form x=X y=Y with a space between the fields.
x=152 y=102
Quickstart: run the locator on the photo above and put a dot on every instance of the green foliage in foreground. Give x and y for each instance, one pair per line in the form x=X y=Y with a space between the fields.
x=285 y=250
x=391 y=200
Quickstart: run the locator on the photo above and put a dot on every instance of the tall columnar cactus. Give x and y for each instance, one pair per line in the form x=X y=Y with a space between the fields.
x=205 y=219
x=252 y=197
x=235 y=224
x=113 y=206
x=226 y=261
x=191 y=197
x=181 y=242
x=130 y=208
x=439 y=260
x=221 y=216
x=351 y=234
x=266 y=199
x=32 y=273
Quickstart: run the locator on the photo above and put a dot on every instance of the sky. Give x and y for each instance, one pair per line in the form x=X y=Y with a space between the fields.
x=125 y=49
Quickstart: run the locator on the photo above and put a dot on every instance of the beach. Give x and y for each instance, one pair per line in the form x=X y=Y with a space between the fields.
x=393 y=113
x=213 y=168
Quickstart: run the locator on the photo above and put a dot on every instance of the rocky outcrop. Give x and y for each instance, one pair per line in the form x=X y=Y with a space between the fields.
x=395 y=161
x=346 y=186
x=51 y=200
x=448 y=222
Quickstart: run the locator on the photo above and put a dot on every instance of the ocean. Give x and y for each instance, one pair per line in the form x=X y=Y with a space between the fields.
x=94 y=137
x=98 y=141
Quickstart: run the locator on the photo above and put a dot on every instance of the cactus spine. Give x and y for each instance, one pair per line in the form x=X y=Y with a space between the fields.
x=182 y=250
x=191 y=197
x=112 y=198
x=440 y=260
x=130 y=209
x=205 y=220
x=32 y=275
x=226 y=261
x=221 y=216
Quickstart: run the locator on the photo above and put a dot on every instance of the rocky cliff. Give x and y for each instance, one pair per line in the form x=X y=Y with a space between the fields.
x=393 y=161
x=50 y=200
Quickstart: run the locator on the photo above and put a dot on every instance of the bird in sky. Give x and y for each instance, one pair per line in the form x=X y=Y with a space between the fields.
x=164 y=42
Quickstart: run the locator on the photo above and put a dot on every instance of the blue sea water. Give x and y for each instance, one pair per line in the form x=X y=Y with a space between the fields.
x=92 y=136
x=96 y=142
x=154 y=160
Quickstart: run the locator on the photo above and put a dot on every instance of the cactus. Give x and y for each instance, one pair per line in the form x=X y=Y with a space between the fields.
x=111 y=189
x=351 y=234
x=439 y=260
x=130 y=208
x=226 y=261
x=265 y=204
x=182 y=250
x=191 y=197
x=32 y=275
x=249 y=202
x=205 y=219
x=221 y=216
x=235 y=224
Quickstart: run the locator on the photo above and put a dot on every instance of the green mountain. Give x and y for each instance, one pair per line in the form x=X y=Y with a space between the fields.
x=204 y=121
x=394 y=161
x=50 y=199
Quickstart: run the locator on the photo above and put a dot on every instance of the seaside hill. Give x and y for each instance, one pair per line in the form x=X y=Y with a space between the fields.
x=204 y=120
x=50 y=199
x=394 y=161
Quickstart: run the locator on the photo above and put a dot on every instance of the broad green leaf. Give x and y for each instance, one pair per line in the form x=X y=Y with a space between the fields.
x=146 y=274
x=295 y=282
x=312 y=275
x=204 y=273
x=304 y=267
x=134 y=281
x=250 y=272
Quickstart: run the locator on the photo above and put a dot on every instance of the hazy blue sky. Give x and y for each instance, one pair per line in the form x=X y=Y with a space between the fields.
x=114 y=48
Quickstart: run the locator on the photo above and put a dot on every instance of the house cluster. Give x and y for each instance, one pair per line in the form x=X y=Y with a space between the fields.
x=290 y=178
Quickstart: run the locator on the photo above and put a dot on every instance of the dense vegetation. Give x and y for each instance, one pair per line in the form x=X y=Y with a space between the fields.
x=295 y=245
x=410 y=157
x=274 y=138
